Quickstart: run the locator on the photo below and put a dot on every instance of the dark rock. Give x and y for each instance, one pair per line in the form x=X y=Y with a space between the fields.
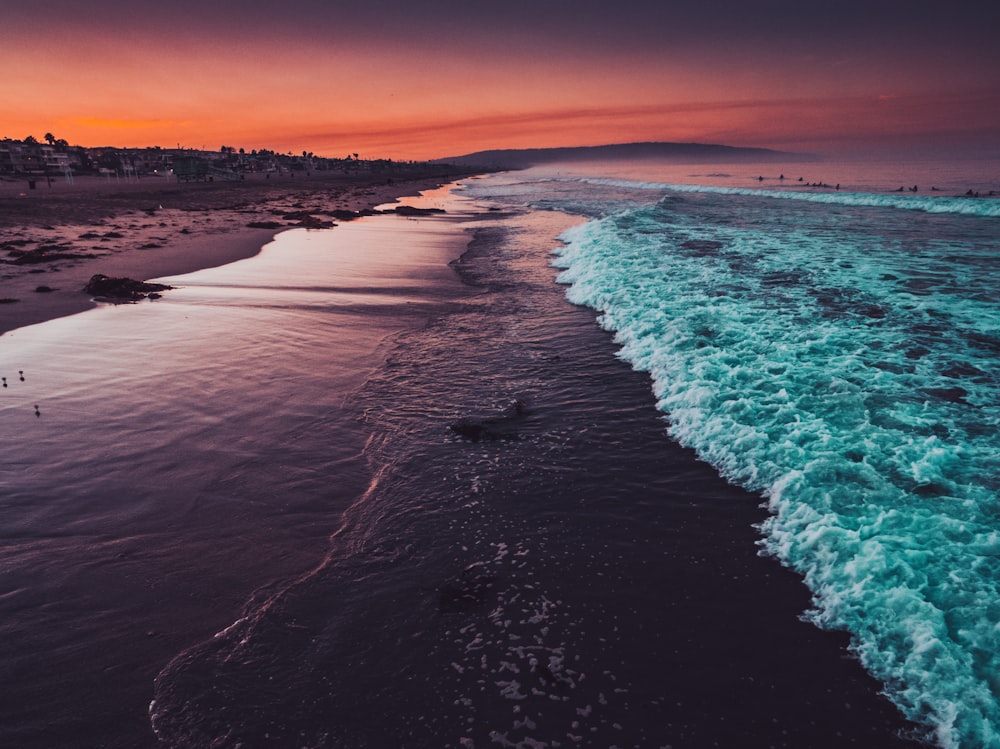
x=504 y=427
x=43 y=289
x=8 y=300
x=307 y=220
x=409 y=210
x=45 y=254
x=344 y=215
x=477 y=431
x=264 y=225
x=313 y=222
x=121 y=289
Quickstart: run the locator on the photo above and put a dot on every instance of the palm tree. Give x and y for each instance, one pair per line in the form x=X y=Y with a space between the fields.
x=50 y=139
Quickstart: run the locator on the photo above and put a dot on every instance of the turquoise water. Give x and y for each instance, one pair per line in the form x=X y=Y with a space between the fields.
x=837 y=352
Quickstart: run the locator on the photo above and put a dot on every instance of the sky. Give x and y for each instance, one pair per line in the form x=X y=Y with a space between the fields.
x=421 y=79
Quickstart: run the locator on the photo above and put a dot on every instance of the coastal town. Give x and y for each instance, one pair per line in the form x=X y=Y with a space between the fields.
x=69 y=213
x=43 y=161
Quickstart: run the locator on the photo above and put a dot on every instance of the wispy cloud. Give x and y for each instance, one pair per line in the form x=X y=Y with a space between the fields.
x=552 y=117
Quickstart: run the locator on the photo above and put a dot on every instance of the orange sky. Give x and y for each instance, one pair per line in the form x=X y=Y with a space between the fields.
x=441 y=78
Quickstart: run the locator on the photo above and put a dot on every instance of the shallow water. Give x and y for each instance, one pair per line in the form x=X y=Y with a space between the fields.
x=520 y=554
x=185 y=453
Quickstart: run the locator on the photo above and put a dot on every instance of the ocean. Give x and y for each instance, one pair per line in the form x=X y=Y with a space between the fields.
x=617 y=455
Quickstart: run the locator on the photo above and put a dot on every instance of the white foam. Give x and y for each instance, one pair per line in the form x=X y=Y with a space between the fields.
x=967 y=206
x=782 y=355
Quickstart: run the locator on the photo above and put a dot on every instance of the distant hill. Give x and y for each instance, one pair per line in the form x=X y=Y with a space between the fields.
x=677 y=152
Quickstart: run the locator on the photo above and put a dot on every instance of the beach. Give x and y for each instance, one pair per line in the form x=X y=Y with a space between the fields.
x=541 y=564
x=154 y=490
x=386 y=486
x=544 y=375
x=157 y=226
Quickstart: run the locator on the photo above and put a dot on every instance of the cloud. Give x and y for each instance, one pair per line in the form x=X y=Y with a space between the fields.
x=554 y=117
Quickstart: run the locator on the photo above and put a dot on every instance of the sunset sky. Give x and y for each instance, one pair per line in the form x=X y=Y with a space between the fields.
x=431 y=78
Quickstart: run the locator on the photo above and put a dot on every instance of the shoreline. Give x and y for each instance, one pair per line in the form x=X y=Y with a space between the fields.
x=719 y=617
x=637 y=562
x=54 y=239
x=190 y=492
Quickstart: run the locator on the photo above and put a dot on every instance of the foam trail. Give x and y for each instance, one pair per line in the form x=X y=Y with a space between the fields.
x=930 y=204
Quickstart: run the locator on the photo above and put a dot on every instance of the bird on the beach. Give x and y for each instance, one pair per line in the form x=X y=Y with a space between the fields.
x=21 y=373
x=4 y=381
x=37 y=412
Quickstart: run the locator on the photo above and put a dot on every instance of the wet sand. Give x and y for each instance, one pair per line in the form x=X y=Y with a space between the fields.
x=54 y=238
x=156 y=529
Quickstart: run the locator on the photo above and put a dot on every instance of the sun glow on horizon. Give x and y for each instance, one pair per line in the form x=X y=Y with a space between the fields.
x=111 y=125
x=428 y=84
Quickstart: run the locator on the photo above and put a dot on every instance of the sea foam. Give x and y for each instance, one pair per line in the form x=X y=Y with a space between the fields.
x=845 y=370
x=968 y=206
